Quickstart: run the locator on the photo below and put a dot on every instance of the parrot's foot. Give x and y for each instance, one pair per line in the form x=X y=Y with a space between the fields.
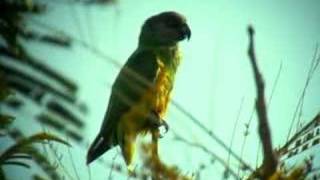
x=164 y=124
x=156 y=123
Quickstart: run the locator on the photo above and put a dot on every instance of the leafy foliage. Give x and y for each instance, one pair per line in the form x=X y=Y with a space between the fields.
x=5 y=120
x=23 y=150
x=155 y=168
x=23 y=145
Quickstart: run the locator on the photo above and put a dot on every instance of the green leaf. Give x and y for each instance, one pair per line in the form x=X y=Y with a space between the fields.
x=46 y=136
x=38 y=177
x=20 y=156
x=16 y=163
x=2 y=174
x=4 y=89
x=4 y=93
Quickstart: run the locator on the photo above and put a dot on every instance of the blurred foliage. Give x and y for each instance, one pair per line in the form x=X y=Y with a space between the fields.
x=12 y=20
x=22 y=146
x=155 y=168
x=5 y=120
x=296 y=173
x=14 y=32
x=14 y=28
x=4 y=90
x=23 y=150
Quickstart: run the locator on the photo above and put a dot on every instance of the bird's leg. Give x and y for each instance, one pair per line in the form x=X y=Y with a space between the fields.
x=155 y=135
x=156 y=122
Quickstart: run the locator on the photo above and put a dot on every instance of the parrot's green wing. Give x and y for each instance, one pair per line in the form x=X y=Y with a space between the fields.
x=137 y=75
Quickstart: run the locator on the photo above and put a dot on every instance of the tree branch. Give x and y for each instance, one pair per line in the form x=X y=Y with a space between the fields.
x=270 y=162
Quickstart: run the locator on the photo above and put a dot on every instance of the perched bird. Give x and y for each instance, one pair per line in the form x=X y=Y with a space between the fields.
x=141 y=91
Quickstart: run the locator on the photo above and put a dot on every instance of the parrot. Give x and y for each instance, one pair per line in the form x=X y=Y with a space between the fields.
x=141 y=92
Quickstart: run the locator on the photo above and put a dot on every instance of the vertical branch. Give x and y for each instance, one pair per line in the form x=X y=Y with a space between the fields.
x=270 y=161
x=269 y=102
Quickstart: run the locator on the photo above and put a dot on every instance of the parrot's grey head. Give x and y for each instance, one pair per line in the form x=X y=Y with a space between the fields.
x=166 y=28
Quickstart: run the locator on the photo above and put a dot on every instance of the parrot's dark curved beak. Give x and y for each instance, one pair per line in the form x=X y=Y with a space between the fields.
x=184 y=32
x=187 y=31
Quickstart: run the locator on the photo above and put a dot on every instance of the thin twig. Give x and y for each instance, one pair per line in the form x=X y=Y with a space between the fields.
x=90 y=26
x=112 y=166
x=206 y=150
x=270 y=161
x=76 y=20
x=274 y=86
x=313 y=68
x=298 y=111
x=245 y=134
x=211 y=134
x=235 y=128
x=49 y=147
x=72 y=162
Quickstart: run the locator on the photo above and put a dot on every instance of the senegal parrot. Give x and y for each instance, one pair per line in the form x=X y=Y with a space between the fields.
x=141 y=91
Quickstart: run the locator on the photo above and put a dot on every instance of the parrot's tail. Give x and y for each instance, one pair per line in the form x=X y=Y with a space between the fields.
x=97 y=148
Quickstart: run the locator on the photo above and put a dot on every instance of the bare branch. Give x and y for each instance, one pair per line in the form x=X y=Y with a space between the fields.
x=270 y=162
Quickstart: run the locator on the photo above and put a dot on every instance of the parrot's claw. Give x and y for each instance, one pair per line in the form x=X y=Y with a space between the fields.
x=156 y=123
x=166 y=127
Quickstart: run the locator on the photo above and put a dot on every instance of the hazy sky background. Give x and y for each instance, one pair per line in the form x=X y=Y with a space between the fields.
x=214 y=78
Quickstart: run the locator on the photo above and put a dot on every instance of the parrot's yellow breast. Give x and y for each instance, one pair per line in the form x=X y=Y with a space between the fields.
x=162 y=89
x=167 y=64
x=157 y=97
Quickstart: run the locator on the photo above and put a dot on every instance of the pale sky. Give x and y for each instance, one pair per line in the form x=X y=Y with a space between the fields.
x=215 y=75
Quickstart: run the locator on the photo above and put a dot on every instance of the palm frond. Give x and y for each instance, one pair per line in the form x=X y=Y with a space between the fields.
x=23 y=145
x=17 y=163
